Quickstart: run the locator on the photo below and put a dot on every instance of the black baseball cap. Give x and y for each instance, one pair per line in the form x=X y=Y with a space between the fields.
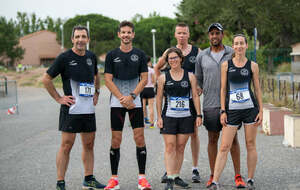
x=215 y=25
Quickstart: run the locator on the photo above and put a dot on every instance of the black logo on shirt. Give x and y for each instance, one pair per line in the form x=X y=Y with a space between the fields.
x=134 y=57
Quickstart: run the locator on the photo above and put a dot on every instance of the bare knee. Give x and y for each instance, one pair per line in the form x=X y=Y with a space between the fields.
x=251 y=145
x=88 y=145
x=224 y=148
x=139 y=140
x=66 y=146
x=116 y=142
x=170 y=148
x=180 y=148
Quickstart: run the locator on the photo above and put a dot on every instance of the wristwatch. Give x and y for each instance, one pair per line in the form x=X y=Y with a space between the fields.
x=200 y=115
x=133 y=95
x=97 y=91
x=222 y=111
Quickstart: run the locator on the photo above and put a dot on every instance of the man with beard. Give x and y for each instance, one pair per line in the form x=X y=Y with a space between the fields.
x=126 y=75
x=81 y=83
x=208 y=73
x=190 y=52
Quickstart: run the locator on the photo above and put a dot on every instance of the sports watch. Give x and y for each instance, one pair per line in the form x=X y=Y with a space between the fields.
x=132 y=95
x=97 y=91
x=222 y=111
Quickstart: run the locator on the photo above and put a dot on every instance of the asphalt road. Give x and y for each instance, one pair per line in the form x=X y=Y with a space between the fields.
x=29 y=143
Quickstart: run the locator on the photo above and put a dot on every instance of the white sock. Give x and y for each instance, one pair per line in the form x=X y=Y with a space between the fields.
x=194 y=168
x=250 y=179
x=142 y=176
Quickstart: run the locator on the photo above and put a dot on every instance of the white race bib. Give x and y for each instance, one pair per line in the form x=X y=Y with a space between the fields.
x=240 y=95
x=179 y=103
x=86 y=89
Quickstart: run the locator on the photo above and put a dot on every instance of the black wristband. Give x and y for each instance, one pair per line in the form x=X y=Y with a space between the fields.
x=200 y=115
x=222 y=111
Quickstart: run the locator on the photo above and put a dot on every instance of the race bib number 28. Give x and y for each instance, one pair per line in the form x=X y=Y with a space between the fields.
x=239 y=95
x=86 y=89
x=179 y=103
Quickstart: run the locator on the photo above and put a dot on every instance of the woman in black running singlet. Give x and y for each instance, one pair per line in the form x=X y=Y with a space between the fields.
x=176 y=120
x=239 y=106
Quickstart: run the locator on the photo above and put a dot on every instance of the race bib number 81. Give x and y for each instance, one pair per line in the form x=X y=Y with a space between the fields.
x=86 y=89
x=179 y=103
x=240 y=95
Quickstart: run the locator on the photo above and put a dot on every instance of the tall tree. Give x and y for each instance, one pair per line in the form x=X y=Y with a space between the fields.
x=10 y=52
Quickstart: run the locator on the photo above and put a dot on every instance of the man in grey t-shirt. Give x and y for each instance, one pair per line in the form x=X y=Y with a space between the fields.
x=207 y=71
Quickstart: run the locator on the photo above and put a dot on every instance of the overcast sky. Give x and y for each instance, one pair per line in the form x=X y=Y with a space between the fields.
x=116 y=9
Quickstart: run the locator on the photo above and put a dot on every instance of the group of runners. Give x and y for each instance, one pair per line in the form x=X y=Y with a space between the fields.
x=221 y=73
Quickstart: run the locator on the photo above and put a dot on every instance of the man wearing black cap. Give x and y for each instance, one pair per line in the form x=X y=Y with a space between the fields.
x=208 y=75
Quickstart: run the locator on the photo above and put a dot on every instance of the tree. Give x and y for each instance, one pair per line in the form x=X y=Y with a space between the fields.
x=10 y=52
x=164 y=36
x=103 y=32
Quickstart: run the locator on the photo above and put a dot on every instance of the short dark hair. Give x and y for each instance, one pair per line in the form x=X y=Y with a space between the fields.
x=182 y=24
x=241 y=35
x=126 y=23
x=148 y=58
x=175 y=50
x=80 y=27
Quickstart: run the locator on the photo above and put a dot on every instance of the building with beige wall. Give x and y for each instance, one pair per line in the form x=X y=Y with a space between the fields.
x=296 y=58
x=41 y=48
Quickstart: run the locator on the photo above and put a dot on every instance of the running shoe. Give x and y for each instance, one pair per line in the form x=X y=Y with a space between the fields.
x=180 y=183
x=169 y=184
x=164 y=178
x=146 y=120
x=60 y=185
x=113 y=184
x=144 y=184
x=239 y=182
x=208 y=184
x=250 y=184
x=214 y=186
x=92 y=184
x=196 y=176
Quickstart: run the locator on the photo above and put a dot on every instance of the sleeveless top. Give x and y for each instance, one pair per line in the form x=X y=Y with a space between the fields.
x=239 y=93
x=190 y=60
x=177 y=96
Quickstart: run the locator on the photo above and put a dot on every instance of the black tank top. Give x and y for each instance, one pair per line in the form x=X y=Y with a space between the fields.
x=190 y=60
x=172 y=88
x=239 y=92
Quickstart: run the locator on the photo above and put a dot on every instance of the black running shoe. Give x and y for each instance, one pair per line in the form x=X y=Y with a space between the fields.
x=60 y=185
x=169 y=184
x=250 y=184
x=196 y=176
x=92 y=184
x=180 y=183
x=164 y=178
x=214 y=186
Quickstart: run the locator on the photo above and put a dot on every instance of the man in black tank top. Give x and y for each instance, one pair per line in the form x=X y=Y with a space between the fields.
x=190 y=53
x=81 y=83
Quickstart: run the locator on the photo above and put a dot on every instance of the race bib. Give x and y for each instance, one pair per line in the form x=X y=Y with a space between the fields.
x=86 y=89
x=179 y=103
x=240 y=95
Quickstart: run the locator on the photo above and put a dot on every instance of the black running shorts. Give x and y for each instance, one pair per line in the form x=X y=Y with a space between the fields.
x=117 y=118
x=211 y=119
x=76 y=123
x=174 y=126
x=237 y=117
x=148 y=92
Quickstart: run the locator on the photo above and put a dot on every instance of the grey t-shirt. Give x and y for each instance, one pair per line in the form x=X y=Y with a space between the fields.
x=217 y=55
x=208 y=74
